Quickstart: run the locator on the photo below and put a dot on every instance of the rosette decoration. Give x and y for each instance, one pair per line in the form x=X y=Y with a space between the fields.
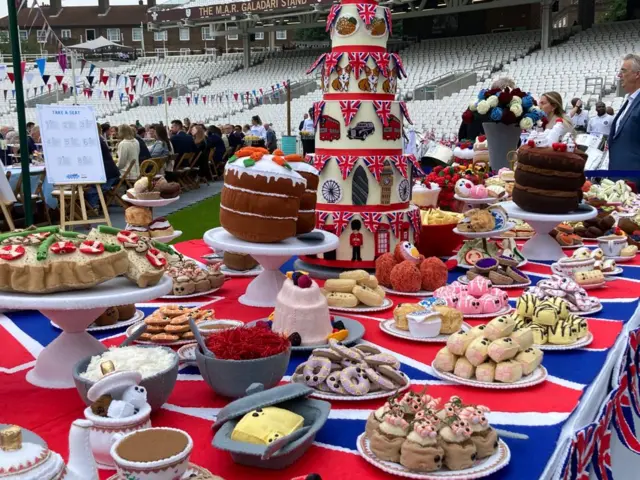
x=503 y=113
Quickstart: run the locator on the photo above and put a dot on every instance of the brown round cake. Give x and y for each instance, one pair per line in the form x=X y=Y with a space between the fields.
x=547 y=181
x=260 y=199
x=307 y=213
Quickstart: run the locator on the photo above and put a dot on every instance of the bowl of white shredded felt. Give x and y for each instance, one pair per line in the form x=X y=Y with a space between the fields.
x=158 y=366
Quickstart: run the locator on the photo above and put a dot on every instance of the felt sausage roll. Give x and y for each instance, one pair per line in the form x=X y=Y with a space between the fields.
x=486 y=372
x=503 y=349
x=477 y=351
x=509 y=371
x=530 y=359
x=445 y=361
x=499 y=327
x=458 y=342
x=464 y=368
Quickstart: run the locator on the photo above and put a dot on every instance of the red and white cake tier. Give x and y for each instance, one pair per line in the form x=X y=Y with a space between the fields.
x=365 y=179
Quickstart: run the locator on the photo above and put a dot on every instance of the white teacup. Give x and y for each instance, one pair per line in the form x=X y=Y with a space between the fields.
x=568 y=266
x=152 y=454
x=612 y=245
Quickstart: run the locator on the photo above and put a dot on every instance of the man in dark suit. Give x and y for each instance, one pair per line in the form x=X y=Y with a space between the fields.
x=624 y=140
x=144 y=150
x=182 y=143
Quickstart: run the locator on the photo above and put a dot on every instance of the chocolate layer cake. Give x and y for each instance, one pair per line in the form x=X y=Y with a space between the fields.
x=548 y=181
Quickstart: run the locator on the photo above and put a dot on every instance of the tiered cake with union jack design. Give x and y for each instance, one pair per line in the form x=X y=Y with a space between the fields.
x=365 y=179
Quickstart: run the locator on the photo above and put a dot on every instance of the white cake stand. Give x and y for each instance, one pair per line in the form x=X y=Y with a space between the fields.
x=263 y=290
x=73 y=312
x=542 y=246
x=151 y=204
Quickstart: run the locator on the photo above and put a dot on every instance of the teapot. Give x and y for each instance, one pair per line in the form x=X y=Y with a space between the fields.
x=23 y=460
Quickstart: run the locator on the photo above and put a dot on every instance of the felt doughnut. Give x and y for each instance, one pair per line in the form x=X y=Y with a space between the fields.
x=376 y=379
x=347 y=362
x=316 y=370
x=367 y=349
x=328 y=353
x=382 y=359
x=298 y=374
x=354 y=381
x=343 y=351
x=393 y=374
x=333 y=382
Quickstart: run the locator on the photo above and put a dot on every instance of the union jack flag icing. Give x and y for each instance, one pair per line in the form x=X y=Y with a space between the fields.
x=375 y=164
x=396 y=220
x=405 y=112
x=349 y=109
x=415 y=162
x=399 y=65
x=400 y=161
x=382 y=60
x=318 y=107
x=341 y=220
x=331 y=62
x=358 y=60
x=383 y=110
x=315 y=64
x=388 y=20
x=367 y=12
x=346 y=164
x=320 y=161
x=372 y=221
x=331 y=17
x=321 y=218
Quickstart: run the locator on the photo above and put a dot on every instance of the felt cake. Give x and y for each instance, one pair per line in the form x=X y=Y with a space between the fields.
x=260 y=199
x=307 y=213
x=548 y=181
x=302 y=308
x=365 y=179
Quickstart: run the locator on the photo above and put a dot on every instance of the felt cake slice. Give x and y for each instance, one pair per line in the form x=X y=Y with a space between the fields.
x=146 y=258
x=47 y=260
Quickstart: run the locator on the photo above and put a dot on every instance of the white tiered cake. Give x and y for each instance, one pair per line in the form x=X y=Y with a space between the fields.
x=365 y=179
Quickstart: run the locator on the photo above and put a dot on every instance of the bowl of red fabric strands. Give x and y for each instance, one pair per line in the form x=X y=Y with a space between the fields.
x=241 y=356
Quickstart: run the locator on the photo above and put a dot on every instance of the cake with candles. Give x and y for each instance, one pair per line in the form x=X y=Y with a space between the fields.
x=365 y=182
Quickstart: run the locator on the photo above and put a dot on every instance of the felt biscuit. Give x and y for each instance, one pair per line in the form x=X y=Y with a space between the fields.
x=356 y=275
x=368 y=296
x=342 y=300
x=371 y=282
x=153 y=329
x=188 y=336
x=146 y=336
x=181 y=320
x=157 y=320
x=174 y=310
x=164 y=337
x=177 y=328
x=339 y=285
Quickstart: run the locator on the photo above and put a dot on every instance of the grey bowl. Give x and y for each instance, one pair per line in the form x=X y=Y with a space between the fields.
x=159 y=386
x=231 y=378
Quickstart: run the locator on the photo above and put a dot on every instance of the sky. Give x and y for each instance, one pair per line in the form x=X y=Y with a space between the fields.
x=68 y=3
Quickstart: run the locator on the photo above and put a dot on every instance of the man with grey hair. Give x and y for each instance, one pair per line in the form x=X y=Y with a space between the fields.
x=624 y=141
x=502 y=83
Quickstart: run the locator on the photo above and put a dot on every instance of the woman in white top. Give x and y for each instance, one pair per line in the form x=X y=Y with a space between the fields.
x=256 y=127
x=559 y=123
x=128 y=152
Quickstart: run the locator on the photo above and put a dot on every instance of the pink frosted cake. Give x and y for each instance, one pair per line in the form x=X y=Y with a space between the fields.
x=301 y=308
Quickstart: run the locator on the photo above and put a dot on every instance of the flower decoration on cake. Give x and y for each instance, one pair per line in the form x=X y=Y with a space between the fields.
x=507 y=106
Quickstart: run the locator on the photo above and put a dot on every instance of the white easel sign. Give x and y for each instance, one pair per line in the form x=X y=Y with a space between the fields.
x=70 y=144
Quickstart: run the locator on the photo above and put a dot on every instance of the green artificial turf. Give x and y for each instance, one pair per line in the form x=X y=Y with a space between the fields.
x=196 y=219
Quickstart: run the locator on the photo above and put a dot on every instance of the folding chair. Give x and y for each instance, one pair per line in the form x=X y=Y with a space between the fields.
x=114 y=193
x=37 y=195
x=181 y=170
x=213 y=168
x=193 y=166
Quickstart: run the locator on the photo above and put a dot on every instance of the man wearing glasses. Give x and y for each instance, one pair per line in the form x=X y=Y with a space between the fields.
x=624 y=140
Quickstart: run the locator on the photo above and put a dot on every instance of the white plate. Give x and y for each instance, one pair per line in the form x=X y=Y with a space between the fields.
x=571 y=247
x=354 y=398
x=187 y=353
x=389 y=327
x=622 y=259
x=595 y=286
x=168 y=238
x=193 y=295
x=421 y=293
x=467 y=266
x=616 y=271
x=481 y=468
x=477 y=316
x=254 y=272
x=539 y=375
x=583 y=342
x=589 y=312
x=514 y=238
x=161 y=202
x=139 y=315
x=490 y=234
x=477 y=201
x=463 y=279
x=386 y=304
x=132 y=328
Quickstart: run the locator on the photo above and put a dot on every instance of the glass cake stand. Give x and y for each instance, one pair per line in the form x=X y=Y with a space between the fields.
x=73 y=312
x=542 y=246
x=263 y=290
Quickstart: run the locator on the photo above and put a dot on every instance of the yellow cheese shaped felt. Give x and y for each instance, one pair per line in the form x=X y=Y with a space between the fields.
x=545 y=314
x=264 y=425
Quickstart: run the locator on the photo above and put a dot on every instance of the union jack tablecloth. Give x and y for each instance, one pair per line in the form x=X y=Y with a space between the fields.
x=538 y=412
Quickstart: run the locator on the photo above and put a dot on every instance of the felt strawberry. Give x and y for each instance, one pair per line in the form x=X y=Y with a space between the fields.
x=556 y=146
x=11 y=252
x=531 y=143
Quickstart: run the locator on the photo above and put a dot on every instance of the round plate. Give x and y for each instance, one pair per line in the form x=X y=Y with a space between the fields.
x=583 y=342
x=161 y=202
x=139 y=315
x=386 y=304
x=539 y=375
x=463 y=279
x=187 y=353
x=490 y=234
x=353 y=398
x=514 y=238
x=589 y=312
x=356 y=332
x=467 y=266
x=421 y=293
x=254 y=272
x=621 y=259
x=571 y=247
x=476 y=201
x=132 y=328
x=595 y=286
x=389 y=327
x=168 y=238
x=193 y=295
x=194 y=472
x=506 y=309
x=616 y=271
x=481 y=468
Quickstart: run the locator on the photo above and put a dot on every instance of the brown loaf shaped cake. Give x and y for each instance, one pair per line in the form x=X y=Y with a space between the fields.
x=548 y=181
x=260 y=197
x=307 y=213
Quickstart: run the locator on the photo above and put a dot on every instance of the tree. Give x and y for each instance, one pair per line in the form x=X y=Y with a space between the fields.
x=617 y=11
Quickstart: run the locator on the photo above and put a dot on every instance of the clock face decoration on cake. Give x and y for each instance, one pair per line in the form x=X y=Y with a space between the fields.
x=404 y=190
x=331 y=191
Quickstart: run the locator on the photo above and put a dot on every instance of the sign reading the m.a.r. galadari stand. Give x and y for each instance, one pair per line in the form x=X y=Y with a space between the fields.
x=70 y=144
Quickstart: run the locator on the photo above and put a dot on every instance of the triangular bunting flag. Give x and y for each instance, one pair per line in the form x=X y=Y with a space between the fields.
x=59 y=79
x=101 y=74
x=121 y=97
x=11 y=76
x=83 y=62
x=35 y=91
x=104 y=79
x=90 y=80
x=331 y=62
x=40 y=63
x=195 y=98
x=399 y=65
x=64 y=87
x=13 y=93
x=159 y=100
x=62 y=61
x=105 y=93
x=349 y=109
x=396 y=221
x=131 y=98
x=204 y=99
x=388 y=20
x=132 y=78
x=340 y=221
x=401 y=163
x=92 y=67
x=383 y=110
x=367 y=12
x=382 y=60
x=45 y=78
x=320 y=160
x=372 y=221
x=358 y=60
x=405 y=112
x=188 y=100
x=346 y=164
x=333 y=13
x=169 y=100
x=110 y=94
x=318 y=107
x=235 y=97
x=375 y=164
